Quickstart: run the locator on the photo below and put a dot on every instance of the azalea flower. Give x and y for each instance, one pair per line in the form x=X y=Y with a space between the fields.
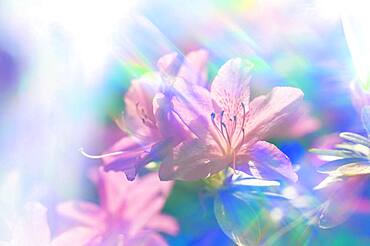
x=229 y=130
x=128 y=212
x=350 y=157
x=348 y=170
x=150 y=128
x=30 y=228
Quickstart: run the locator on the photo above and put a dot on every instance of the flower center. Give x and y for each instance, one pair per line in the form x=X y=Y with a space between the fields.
x=144 y=117
x=229 y=130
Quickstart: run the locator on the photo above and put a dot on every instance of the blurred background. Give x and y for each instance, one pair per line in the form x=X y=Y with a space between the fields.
x=65 y=66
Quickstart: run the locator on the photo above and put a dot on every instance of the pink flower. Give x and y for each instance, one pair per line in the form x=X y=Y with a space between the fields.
x=229 y=130
x=129 y=212
x=148 y=119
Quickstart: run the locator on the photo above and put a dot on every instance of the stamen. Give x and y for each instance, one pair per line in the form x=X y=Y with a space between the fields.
x=244 y=114
x=234 y=118
x=221 y=118
x=243 y=122
x=227 y=133
x=233 y=166
x=137 y=108
x=144 y=117
x=213 y=116
x=100 y=156
x=234 y=163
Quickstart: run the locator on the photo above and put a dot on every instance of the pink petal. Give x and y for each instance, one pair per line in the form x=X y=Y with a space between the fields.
x=299 y=123
x=168 y=123
x=193 y=105
x=336 y=209
x=138 y=118
x=169 y=64
x=268 y=162
x=146 y=198
x=147 y=238
x=134 y=155
x=81 y=213
x=191 y=160
x=112 y=187
x=230 y=88
x=267 y=112
x=194 y=68
x=78 y=236
x=147 y=211
x=163 y=223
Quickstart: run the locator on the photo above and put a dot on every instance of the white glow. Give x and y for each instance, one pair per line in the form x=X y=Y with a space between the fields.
x=356 y=19
x=68 y=44
x=290 y=192
x=10 y=189
x=276 y=214
x=329 y=9
x=87 y=28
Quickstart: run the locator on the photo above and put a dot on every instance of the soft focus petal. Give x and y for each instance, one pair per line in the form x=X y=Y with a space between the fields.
x=267 y=112
x=147 y=239
x=77 y=236
x=191 y=160
x=336 y=209
x=147 y=197
x=82 y=213
x=268 y=162
x=163 y=223
x=168 y=65
x=194 y=68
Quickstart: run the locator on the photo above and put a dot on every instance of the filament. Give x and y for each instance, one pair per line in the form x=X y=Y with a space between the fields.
x=99 y=156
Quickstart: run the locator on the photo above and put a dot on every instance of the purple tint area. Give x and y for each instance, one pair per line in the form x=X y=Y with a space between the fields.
x=9 y=71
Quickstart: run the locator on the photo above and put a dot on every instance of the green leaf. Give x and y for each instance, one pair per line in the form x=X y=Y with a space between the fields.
x=239 y=220
x=252 y=218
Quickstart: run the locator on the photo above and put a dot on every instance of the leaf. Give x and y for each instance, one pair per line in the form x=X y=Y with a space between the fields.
x=239 y=220
x=331 y=166
x=255 y=218
x=355 y=138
